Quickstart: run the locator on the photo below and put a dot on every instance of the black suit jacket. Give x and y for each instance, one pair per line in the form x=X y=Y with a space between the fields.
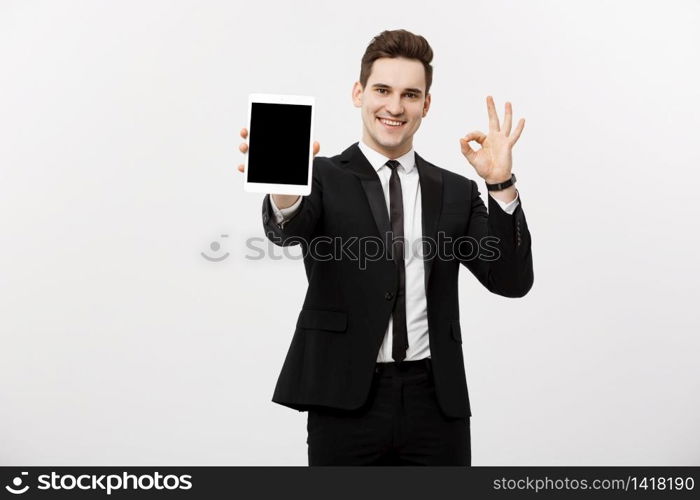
x=341 y=326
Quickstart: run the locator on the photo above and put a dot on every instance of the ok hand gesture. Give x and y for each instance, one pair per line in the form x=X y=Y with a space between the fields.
x=493 y=162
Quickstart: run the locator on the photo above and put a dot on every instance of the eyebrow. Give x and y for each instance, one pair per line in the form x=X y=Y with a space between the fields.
x=385 y=86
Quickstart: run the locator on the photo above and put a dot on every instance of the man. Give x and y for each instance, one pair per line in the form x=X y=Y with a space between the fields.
x=376 y=358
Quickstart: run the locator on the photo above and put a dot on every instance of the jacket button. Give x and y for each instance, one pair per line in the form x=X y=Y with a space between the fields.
x=388 y=295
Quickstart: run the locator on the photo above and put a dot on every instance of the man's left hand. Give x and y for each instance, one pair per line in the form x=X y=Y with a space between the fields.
x=494 y=161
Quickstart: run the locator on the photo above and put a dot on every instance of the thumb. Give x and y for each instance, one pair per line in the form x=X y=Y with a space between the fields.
x=317 y=147
x=477 y=136
x=466 y=148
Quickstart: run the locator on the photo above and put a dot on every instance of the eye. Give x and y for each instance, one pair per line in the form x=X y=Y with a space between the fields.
x=381 y=90
x=412 y=94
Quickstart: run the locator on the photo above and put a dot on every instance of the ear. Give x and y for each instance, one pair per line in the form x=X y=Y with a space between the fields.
x=357 y=94
x=426 y=105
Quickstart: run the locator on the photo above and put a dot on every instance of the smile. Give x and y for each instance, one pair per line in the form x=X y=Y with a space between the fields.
x=391 y=123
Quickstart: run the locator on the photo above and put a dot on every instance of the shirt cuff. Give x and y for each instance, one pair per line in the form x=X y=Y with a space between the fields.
x=509 y=207
x=284 y=213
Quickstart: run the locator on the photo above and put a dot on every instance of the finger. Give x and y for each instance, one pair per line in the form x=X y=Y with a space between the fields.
x=477 y=136
x=518 y=131
x=243 y=148
x=508 y=119
x=493 y=117
x=241 y=168
x=466 y=148
x=317 y=147
x=244 y=132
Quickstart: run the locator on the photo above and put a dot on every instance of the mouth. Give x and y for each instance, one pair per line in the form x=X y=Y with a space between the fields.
x=391 y=124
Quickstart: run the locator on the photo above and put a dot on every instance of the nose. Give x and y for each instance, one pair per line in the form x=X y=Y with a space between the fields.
x=394 y=106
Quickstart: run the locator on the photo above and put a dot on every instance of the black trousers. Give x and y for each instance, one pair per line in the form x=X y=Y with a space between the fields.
x=400 y=424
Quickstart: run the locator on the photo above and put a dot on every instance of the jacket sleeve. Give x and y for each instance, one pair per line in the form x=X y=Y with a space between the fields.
x=302 y=224
x=504 y=261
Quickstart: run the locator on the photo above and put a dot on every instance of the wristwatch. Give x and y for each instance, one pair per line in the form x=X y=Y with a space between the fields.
x=501 y=185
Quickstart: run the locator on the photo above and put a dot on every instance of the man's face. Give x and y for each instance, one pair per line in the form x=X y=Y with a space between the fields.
x=395 y=90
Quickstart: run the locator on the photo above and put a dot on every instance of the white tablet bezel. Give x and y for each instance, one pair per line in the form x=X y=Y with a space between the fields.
x=260 y=187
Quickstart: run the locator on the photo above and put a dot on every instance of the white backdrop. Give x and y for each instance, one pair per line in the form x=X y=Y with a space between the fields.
x=119 y=143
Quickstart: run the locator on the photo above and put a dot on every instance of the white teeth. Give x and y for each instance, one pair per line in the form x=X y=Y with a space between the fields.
x=390 y=122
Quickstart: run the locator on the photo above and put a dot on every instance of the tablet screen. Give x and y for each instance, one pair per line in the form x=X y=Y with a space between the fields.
x=279 y=143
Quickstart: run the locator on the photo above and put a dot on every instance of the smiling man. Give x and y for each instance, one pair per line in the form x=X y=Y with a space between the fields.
x=376 y=357
x=393 y=105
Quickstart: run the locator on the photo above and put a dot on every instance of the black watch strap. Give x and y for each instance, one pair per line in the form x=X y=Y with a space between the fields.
x=501 y=185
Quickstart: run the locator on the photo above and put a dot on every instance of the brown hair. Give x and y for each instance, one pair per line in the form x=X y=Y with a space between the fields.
x=398 y=43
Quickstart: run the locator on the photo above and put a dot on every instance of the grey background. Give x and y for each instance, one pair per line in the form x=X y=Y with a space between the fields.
x=119 y=142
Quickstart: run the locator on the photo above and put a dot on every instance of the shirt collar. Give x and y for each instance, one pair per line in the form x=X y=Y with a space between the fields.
x=378 y=160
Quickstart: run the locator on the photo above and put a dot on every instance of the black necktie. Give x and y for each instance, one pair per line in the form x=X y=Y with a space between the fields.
x=400 y=333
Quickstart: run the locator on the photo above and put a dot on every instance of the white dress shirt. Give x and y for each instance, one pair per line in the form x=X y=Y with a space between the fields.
x=416 y=302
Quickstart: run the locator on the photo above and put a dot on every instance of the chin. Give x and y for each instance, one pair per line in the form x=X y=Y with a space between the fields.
x=391 y=145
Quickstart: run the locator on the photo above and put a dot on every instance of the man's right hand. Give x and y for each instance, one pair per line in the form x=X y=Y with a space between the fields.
x=281 y=200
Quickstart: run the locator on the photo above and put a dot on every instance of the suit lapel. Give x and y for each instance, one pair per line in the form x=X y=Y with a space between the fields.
x=431 y=201
x=431 y=198
x=358 y=163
